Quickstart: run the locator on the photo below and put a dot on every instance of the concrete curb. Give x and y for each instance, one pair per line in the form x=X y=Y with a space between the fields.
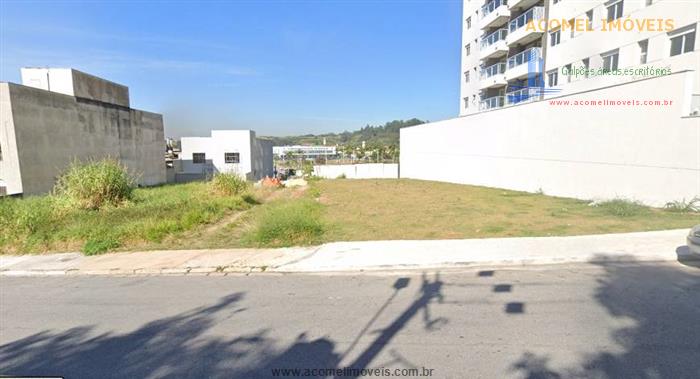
x=365 y=256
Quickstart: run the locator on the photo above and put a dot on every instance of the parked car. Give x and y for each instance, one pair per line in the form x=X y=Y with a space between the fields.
x=694 y=241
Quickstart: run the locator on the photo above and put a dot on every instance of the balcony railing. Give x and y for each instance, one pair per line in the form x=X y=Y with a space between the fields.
x=491 y=6
x=534 y=13
x=495 y=69
x=522 y=95
x=526 y=56
x=491 y=103
x=494 y=37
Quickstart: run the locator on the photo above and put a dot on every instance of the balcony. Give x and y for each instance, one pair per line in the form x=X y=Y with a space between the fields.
x=519 y=33
x=521 y=4
x=525 y=63
x=494 y=45
x=494 y=13
x=493 y=76
x=491 y=103
x=523 y=95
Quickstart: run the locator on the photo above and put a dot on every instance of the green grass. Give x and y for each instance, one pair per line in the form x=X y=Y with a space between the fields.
x=40 y=224
x=412 y=209
x=287 y=223
x=189 y=216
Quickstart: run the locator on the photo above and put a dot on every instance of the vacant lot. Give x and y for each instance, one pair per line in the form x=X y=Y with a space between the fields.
x=411 y=209
x=191 y=216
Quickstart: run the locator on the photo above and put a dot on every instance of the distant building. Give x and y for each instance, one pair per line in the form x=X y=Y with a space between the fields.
x=304 y=151
x=59 y=115
x=229 y=151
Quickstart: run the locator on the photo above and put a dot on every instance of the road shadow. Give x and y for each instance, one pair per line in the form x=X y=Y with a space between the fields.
x=179 y=346
x=664 y=303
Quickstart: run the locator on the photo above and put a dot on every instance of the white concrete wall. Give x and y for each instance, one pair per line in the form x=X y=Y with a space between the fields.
x=359 y=171
x=255 y=157
x=650 y=154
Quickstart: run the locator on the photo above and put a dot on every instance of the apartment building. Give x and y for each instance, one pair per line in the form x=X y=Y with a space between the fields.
x=506 y=61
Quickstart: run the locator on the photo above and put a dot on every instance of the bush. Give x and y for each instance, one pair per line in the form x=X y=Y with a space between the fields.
x=622 y=207
x=289 y=224
x=94 y=184
x=341 y=176
x=682 y=206
x=228 y=184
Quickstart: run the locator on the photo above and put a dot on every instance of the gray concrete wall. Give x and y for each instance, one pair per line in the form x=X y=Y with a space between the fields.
x=94 y=88
x=263 y=158
x=54 y=129
x=76 y=83
x=9 y=163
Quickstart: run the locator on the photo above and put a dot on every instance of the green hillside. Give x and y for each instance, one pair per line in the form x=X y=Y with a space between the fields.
x=380 y=135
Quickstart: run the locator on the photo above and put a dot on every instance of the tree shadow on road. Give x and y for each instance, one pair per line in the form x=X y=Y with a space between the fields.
x=664 y=302
x=179 y=346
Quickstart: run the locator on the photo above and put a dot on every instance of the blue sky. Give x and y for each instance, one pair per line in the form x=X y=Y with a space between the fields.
x=278 y=67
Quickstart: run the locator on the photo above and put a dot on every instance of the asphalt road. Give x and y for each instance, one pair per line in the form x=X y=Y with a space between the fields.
x=607 y=321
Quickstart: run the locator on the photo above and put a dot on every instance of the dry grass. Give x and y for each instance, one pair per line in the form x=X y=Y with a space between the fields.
x=411 y=209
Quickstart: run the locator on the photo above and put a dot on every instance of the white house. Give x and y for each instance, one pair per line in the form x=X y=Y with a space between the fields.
x=229 y=151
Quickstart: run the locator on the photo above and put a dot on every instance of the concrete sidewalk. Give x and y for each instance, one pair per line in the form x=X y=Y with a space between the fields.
x=362 y=256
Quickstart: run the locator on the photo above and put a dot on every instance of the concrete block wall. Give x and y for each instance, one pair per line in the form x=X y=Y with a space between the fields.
x=52 y=129
x=649 y=154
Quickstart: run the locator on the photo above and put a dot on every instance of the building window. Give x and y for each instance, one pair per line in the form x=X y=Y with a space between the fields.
x=466 y=102
x=610 y=60
x=589 y=17
x=614 y=9
x=648 y=2
x=0 y=153
x=554 y=37
x=555 y=1
x=552 y=78
x=469 y=22
x=586 y=65
x=232 y=157
x=643 y=47
x=567 y=73
x=466 y=76
x=199 y=158
x=683 y=40
x=468 y=49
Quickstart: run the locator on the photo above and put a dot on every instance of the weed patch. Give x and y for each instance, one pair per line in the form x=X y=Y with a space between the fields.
x=99 y=245
x=683 y=206
x=227 y=184
x=288 y=223
x=94 y=184
x=622 y=208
